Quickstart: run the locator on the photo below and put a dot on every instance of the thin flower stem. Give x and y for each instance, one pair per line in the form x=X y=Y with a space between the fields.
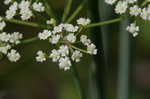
x=49 y=10
x=144 y=3
x=67 y=9
x=76 y=12
x=24 y=23
x=103 y=23
x=78 y=82
x=29 y=40
x=74 y=47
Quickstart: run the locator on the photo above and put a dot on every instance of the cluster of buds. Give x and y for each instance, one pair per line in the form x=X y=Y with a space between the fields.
x=131 y=8
x=66 y=38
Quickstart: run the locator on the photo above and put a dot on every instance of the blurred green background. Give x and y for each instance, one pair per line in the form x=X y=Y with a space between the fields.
x=30 y=80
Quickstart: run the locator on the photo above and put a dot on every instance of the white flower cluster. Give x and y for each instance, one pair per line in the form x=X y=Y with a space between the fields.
x=130 y=7
x=2 y=24
x=25 y=8
x=67 y=37
x=7 y=41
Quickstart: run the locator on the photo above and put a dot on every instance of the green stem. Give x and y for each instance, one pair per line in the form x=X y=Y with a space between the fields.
x=67 y=9
x=144 y=3
x=76 y=12
x=30 y=40
x=103 y=23
x=49 y=10
x=24 y=23
x=124 y=61
x=78 y=82
x=74 y=47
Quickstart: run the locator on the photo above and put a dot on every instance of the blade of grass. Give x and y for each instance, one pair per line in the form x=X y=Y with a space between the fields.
x=76 y=12
x=66 y=9
x=124 y=61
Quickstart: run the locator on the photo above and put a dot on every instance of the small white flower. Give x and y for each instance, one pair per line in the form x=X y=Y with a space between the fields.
x=55 y=55
x=91 y=49
x=11 y=12
x=44 y=35
x=83 y=21
x=4 y=49
x=54 y=39
x=71 y=37
x=13 y=56
x=70 y=28
x=63 y=50
x=41 y=56
x=51 y=21
x=144 y=14
x=15 y=37
x=4 y=37
x=26 y=14
x=76 y=56
x=25 y=11
x=135 y=10
x=133 y=29
x=2 y=25
x=57 y=29
x=85 y=40
x=38 y=7
x=121 y=7
x=110 y=1
x=64 y=63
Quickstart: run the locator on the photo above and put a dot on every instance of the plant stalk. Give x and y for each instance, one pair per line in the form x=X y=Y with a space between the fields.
x=66 y=10
x=76 y=12
x=77 y=81
x=124 y=61
x=103 y=23
x=144 y=3
x=24 y=23
x=29 y=40
x=49 y=10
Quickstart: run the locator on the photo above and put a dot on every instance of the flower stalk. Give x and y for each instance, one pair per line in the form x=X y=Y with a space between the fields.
x=103 y=23
x=77 y=81
x=144 y=3
x=31 y=24
x=76 y=12
x=66 y=10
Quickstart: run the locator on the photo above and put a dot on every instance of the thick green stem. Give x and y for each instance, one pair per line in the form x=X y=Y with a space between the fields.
x=77 y=81
x=66 y=10
x=76 y=12
x=124 y=61
x=24 y=23
x=103 y=23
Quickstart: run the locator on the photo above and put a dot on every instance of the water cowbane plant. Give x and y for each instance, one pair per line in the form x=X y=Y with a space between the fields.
x=67 y=37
